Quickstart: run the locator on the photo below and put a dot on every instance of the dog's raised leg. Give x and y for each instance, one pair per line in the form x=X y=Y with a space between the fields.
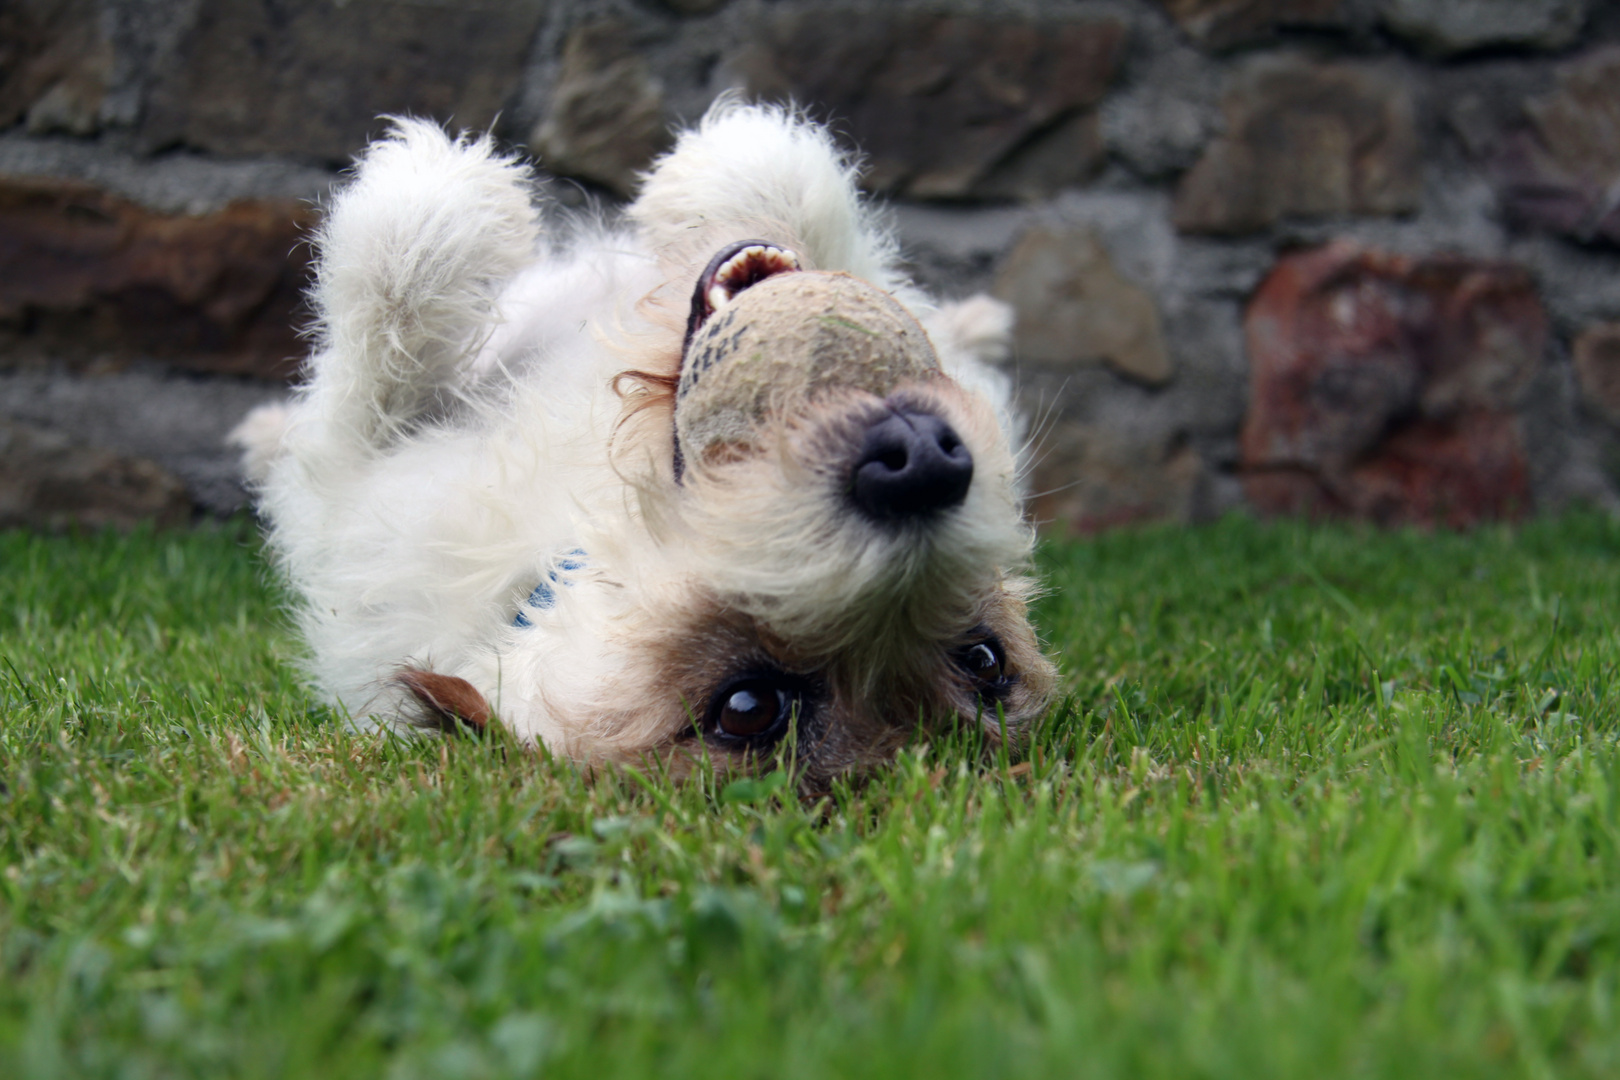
x=755 y=171
x=410 y=259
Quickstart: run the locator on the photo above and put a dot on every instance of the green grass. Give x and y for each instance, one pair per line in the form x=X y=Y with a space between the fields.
x=1321 y=802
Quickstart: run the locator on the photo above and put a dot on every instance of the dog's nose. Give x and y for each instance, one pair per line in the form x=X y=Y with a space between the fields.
x=911 y=463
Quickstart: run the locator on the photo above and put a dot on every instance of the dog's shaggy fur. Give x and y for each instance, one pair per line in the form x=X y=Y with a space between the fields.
x=475 y=492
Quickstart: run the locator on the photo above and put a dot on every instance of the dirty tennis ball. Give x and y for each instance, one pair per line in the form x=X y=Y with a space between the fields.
x=785 y=341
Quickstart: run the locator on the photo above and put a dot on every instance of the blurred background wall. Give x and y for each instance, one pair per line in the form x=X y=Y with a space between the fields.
x=1347 y=257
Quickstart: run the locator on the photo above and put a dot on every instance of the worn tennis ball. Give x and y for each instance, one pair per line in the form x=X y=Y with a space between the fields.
x=785 y=341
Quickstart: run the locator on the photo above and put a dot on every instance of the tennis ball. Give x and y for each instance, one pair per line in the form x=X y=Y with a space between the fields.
x=785 y=341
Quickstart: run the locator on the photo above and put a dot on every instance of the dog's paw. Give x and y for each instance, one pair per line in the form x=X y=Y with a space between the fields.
x=980 y=327
x=410 y=260
x=260 y=437
x=761 y=171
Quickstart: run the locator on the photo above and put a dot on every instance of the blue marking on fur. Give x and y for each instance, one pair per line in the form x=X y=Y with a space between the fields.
x=544 y=595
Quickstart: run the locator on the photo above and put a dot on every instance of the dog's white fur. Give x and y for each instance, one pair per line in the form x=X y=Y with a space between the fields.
x=463 y=429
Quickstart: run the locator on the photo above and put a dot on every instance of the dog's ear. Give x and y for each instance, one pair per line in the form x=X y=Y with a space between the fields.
x=448 y=703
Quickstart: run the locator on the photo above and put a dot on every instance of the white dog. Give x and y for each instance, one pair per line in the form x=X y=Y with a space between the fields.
x=697 y=486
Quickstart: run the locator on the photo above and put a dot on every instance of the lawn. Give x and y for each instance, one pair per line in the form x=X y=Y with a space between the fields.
x=1320 y=802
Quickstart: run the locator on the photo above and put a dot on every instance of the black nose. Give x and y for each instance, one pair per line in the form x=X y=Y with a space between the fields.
x=911 y=463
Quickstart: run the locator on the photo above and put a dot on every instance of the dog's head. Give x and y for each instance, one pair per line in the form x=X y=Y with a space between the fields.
x=831 y=554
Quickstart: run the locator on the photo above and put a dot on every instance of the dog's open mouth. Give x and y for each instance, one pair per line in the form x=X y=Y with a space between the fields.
x=735 y=268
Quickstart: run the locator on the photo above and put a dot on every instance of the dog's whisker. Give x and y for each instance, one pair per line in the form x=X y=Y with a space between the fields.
x=1060 y=489
x=1044 y=425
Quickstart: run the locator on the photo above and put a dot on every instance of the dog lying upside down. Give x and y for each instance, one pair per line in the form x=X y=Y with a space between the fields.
x=700 y=485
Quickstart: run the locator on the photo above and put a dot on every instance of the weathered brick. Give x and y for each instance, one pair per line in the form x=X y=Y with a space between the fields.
x=49 y=482
x=1383 y=387
x=309 y=77
x=84 y=272
x=1561 y=169
x=947 y=106
x=1304 y=139
x=1075 y=308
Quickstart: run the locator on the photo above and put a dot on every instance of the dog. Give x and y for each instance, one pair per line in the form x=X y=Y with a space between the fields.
x=706 y=487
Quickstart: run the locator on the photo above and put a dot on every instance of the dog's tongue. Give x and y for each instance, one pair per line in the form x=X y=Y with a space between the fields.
x=784 y=341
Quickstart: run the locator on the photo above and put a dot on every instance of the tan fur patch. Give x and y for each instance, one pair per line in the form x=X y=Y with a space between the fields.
x=447 y=699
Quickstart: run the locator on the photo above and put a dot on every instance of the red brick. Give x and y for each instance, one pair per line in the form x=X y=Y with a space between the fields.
x=85 y=272
x=1383 y=387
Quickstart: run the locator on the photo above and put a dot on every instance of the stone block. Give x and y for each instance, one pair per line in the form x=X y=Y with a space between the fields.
x=84 y=272
x=1448 y=27
x=947 y=106
x=55 y=64
x=1560 y=170
x=1308 y=140
x=1074 y=308
x=1383 y=387
x=1089 y=477
x=1597 y=368
x=1222 y=24
x=605 y=117
x=48 y=482
x=146 y=411
x=309 y=77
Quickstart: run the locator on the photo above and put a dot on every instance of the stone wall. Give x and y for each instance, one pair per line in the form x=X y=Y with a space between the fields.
x=1345 y=257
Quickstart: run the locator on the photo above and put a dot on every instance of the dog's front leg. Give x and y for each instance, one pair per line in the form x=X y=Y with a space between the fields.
x=409 y=263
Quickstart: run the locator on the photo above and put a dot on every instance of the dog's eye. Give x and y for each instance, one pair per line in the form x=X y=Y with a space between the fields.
x=755 y=708
x=985 y=662
x=751 y=710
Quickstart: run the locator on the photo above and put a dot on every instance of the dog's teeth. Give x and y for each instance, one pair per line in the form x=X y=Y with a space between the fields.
x=744 y=268
x=738 y=263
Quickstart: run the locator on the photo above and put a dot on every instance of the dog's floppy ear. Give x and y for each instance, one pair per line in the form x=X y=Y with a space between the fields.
x=448 y=703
